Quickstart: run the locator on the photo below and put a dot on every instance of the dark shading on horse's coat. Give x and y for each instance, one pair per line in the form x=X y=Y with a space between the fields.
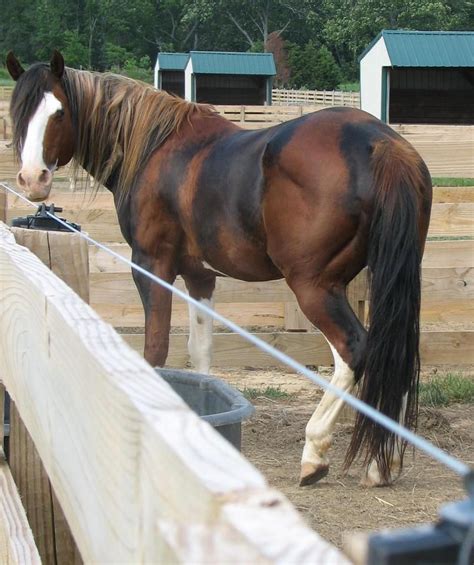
x=313 y=200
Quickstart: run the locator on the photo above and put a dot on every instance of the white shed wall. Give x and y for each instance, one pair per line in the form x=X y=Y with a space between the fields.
x=371 y=78
x=157 y=68
x=188 y=76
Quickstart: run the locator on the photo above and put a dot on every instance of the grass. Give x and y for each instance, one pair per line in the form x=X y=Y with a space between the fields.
x=447 y=181
x=349 y=86
x=272 y=392
x=449 y=237
x=442 y=390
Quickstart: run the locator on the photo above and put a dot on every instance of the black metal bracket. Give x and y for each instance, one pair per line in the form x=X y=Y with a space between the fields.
x=42 y=220
x=449 y=541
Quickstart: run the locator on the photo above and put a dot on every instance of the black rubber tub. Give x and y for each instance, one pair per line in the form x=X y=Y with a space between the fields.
x=221 y=405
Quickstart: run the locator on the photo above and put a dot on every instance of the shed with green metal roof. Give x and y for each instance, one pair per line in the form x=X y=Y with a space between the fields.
x=169 y=72
x=229 y=77
x=419 y=77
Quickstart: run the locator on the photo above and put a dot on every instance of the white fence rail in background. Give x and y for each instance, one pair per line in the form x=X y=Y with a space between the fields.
x=315 y=97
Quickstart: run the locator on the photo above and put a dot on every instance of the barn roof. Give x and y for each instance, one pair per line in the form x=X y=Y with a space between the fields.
x=172 y=61
x=230 y=63
x=427 y=48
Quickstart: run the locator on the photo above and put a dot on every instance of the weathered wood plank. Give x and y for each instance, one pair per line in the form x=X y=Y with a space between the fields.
x=17 y=546
x=33 y=485
x=251 y=314
x=446 y=194
x=230 y=350
x=3 y=206
x=455 y=253
x=66 y=254
x=138 y=475
x=451 y=214
x=295 y=320
x=121 y=286
x=452 y=220
x=118 y=289
x=450 y=253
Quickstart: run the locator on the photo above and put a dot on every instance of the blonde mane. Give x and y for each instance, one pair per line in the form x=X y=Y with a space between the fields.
x=120 y=122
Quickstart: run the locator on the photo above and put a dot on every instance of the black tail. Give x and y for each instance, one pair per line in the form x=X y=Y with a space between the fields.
x=402 y=197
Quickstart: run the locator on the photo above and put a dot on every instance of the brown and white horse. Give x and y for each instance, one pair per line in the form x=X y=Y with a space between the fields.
x=313 y=200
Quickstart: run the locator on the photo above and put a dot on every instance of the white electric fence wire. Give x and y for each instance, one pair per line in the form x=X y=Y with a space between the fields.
x=441 y=456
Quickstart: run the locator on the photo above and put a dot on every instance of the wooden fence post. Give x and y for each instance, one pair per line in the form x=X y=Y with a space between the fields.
x=66 y=254
x=3 y=206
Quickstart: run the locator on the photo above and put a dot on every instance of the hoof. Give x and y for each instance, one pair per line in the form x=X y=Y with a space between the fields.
x=369 y=482
x=373 y=478
x=311 y=474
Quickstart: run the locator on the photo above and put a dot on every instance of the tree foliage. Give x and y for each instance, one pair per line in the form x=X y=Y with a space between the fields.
x=316 y=42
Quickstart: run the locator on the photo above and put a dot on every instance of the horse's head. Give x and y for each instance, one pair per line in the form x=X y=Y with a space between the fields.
x=42 y=123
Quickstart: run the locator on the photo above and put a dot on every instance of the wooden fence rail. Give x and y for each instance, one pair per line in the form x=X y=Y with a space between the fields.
x=315 y=97
x=140 y=477
x=99 y=219
x=6 y=92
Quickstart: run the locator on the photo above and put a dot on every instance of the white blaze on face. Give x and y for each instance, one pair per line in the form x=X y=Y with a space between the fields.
x=32 y=150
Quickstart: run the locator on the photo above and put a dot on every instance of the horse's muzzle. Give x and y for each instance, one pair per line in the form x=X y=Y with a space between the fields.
x=36 y=184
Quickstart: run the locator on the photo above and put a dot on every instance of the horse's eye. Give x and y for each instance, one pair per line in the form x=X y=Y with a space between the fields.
x=60 y=113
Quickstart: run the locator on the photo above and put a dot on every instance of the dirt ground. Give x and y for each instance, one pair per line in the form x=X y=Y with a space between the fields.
x=273 y=441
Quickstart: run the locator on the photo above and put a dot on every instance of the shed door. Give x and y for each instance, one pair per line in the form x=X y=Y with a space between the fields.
x=431 y=96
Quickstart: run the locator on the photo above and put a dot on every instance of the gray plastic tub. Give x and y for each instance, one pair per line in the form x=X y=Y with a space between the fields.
x=221 y=405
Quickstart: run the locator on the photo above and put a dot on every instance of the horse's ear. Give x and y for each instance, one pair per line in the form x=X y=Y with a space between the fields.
x=14 y=66
x=57 y=64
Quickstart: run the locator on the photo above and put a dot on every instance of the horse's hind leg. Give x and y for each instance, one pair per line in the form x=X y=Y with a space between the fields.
x=328 y=309
x=200 y=324
x=373 y=476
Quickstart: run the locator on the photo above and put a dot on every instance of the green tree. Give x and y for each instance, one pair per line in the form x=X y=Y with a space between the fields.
x=353 y=24
x=74 y=51
x=313 y=67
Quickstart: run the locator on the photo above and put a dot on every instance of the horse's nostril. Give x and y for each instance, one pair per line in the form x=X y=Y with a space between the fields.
x=44 y=177
x=21 y=181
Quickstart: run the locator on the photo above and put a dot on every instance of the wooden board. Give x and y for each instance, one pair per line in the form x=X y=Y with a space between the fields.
x=252 y=314
x=450 y=253
x=115 y=297
x=65 y=253
x=452 y=220
x=230 y=350
x=442 y=194
x=32 y=482
x=139 y=476
x=17 y=546
x=449 y=219
x=49 y=527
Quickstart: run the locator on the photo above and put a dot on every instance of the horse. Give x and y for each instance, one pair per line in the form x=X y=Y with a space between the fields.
x=313 y=200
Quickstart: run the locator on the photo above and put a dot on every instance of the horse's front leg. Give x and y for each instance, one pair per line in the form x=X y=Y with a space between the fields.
x=157 y=302
x=201 y=288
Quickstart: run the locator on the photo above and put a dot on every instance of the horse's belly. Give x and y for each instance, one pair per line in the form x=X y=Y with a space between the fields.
x=243 y=262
